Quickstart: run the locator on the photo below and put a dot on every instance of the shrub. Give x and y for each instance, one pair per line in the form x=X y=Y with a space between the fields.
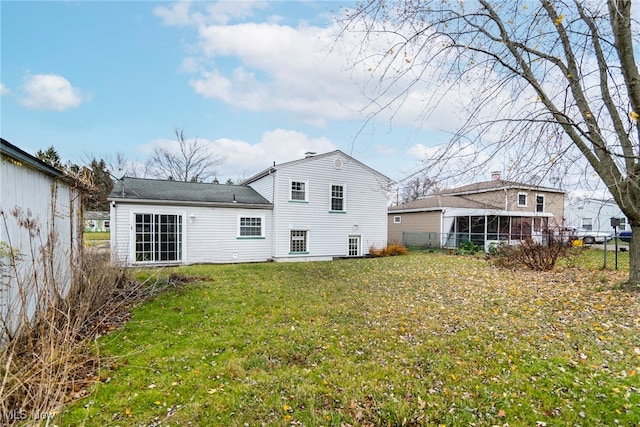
x=467 y=248
x=391 y=249
x=531 y=254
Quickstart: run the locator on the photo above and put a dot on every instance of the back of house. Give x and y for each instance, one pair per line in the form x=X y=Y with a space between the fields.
x=315 y=208
x=325 y=206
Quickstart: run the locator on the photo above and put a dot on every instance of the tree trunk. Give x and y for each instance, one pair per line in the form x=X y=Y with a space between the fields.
x=634 y=257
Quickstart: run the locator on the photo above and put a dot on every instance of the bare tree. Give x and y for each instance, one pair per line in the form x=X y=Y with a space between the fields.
x=131 y=168
x=193 y=161
x=417 y=188
x=553 y=84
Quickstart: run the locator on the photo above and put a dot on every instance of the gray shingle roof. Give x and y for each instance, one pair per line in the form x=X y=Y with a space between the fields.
x=437 y=201
x=190 y=192
x=496 y=185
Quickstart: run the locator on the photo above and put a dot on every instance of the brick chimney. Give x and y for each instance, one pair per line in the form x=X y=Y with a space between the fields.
x=496 y=176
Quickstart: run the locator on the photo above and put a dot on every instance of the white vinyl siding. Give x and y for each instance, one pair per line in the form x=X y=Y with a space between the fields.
x=210 y=234
x=365 y=199
x=28 y=194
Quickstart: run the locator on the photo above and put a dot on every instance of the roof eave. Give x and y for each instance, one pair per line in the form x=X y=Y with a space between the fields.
x=117 y=200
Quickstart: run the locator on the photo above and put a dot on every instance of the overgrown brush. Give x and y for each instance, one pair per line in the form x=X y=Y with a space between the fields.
x=49 y=360
x=531 y=254
x=391 y=249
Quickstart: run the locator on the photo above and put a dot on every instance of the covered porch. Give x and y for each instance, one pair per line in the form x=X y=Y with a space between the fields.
x=483 y=227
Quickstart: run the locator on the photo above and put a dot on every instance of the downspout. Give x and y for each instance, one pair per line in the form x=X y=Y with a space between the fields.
x=274 y=220
x=113 y=226
x=444 y=238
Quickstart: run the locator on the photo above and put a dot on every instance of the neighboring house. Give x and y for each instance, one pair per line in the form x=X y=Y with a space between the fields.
x=483 y=212
x=316 y=208
x=97 y=221
x=595 y=215
x=40 y=235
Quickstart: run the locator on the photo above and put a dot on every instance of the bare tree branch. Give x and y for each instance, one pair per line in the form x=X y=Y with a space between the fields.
x=192 y=161
x=549 y=85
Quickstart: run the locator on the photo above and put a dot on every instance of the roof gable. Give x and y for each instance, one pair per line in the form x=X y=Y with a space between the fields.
x=312 y=158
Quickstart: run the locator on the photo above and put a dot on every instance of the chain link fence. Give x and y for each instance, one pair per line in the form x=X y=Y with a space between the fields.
x=610 y=255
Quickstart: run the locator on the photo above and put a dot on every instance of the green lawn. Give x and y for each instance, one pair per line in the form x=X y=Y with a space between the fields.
x=96 y=238
x=425 y=339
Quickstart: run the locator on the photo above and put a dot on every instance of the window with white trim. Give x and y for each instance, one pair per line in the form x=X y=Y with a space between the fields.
x=587 y=223
x=337 y=198
x=250 y=226
x=539 y=203
x=299 y=191
x=397 y=219
x=522 y=200
x=298 y=241
x=107 y=224
x=158 y=237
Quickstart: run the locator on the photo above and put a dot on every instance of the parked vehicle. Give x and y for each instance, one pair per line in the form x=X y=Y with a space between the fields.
x=625 y=236
x=590 y=236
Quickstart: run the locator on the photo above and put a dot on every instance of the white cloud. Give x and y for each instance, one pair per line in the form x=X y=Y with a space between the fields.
x=4 y=90
x=307 y=72
x=50 y=92
x=178 y=14
x=281 y=68
x=182 y=14
x=243 y=159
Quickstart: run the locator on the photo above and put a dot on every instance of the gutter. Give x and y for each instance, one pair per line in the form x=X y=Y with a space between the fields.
x=191 y=203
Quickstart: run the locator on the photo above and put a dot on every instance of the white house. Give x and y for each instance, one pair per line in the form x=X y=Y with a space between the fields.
x=175 y=222
x=595 y=215
x=316 y=208
x=324 y=206
x=40 y=235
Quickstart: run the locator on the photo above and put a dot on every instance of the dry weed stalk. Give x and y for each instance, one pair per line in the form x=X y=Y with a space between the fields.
x=50 y=360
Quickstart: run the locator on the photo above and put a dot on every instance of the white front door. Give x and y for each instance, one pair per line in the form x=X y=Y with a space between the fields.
x=354 y=246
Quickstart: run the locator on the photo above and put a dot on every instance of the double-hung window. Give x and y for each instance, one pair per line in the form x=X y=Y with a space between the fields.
x=251 y=227
x=298 y=241
x=522 y=200
x=299 y=191
x=158 y=237
x=539 y=203
x=337 y=198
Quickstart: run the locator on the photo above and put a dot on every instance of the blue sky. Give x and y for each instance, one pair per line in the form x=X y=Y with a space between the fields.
x=262 y=81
